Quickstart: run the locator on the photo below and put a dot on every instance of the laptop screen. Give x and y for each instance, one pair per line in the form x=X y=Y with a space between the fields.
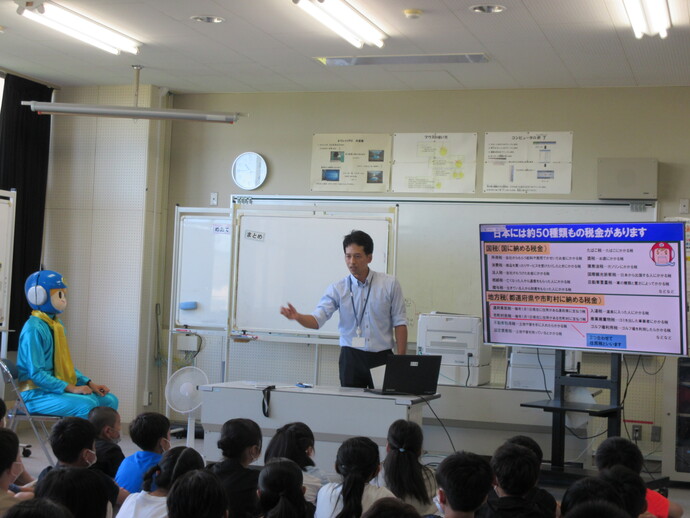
x=411 y=374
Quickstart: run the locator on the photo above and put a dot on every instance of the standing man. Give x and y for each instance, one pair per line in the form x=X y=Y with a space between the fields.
x=372 y=313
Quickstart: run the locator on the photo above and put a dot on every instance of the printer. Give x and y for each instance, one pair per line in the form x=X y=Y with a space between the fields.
x=466 y=360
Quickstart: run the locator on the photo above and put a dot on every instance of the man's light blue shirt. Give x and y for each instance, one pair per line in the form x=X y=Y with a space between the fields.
x=384 y=310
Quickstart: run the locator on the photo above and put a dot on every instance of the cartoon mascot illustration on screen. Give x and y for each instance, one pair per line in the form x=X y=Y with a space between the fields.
x=662 y=254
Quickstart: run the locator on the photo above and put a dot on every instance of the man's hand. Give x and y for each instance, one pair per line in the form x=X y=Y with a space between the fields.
x=99 y=390
x=289 y=312
x=82 y=389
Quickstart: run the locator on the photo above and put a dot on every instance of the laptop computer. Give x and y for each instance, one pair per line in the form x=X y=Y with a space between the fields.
x=410 y=374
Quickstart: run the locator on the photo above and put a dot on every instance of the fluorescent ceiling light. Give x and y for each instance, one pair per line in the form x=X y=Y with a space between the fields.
x=77 y=26
x=429 y=59
x=100 y=110
x=649 y=17
x=343 y=19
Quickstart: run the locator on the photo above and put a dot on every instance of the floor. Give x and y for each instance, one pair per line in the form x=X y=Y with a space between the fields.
x=679 y=493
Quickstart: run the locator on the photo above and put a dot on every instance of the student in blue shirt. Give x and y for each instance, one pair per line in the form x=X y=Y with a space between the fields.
x=151 y=432
x=372 y=313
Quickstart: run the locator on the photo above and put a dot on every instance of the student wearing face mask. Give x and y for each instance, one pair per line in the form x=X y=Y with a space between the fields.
x=10 y=467
x=151 y=432
x=106 y=420
x=73 y=441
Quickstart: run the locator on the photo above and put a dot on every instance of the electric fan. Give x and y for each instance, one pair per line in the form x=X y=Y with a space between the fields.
x=183 y=396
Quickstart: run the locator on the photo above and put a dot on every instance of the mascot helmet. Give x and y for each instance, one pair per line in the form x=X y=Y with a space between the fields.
x=37 y=289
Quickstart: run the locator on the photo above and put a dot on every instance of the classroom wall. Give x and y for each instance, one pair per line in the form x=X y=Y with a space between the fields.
x=107 y=195
x=606 y=122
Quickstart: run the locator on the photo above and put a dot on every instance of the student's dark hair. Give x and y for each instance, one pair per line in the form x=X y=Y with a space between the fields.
x=175 y=462
x=466 y=479
x=596 y=509
x=9 y=448
x=80 y=490
x=358 y=237
x=69 y=436
x=404 y=474
x=280 y=489
x=356 y=461
x=390 y=507
x=589 y=489
x=291 y=441
x=528 y=442
x=3 y=408
x=618 y=450
x=102 y=416
x=630 y=487
x=516 y=469
x=197 y=494
x=38 y=508
x=237 y=435
x=148 y=428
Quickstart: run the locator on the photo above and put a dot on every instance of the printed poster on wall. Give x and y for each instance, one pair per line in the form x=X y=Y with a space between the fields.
x=434 y=162
x=350 y=162
x=529 y=162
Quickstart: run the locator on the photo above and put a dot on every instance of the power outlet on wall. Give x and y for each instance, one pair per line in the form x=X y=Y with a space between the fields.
x=637 y=432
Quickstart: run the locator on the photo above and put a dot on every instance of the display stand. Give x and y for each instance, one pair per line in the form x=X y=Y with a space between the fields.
x=559 y=406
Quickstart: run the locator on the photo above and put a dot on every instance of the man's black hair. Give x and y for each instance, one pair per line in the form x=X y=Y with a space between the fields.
x=618 y=450
x=466 y=479
x=588 y=489
x=358 y=237
x=516 y=469
x=148 y=428
x=9 y=448
x=102 y=416
x=70 y=436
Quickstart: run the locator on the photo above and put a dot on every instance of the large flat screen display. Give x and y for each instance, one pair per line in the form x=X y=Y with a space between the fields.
x=616 y=287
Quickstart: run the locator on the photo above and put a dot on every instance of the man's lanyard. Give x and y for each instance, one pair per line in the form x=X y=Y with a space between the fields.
x=358 y=321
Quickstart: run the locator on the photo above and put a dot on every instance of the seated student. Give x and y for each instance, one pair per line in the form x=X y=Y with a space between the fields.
x=240 y=443
x=80 y=490
x=464 y=480
x=281 y=492
x=402 y=472
x=73 y=441
x=10 y=467
x=516 y=471
x=589 y=489
x=152 y=504
x=106 y=420
x=618 y=450
x=630 y=487
x=391 y=508
x=295 y=441
x=596 y=509
x=197 y=494
x=24 y=477
x=38 y=508
x=357 y=461
x=543 y=498
x=151 y=432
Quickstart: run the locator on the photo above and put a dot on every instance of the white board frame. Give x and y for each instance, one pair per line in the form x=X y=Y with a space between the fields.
x=8 y=207
x=250 y=312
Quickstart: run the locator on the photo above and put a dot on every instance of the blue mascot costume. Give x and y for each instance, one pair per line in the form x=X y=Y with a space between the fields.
x=49 y=382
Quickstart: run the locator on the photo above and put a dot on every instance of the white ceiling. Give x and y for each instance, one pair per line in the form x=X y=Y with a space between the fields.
x=269 y=46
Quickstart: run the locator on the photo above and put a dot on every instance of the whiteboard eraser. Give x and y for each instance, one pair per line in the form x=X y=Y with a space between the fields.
x=188 y=305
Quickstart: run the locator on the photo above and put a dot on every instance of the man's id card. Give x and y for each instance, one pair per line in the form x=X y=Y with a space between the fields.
x=359 y=342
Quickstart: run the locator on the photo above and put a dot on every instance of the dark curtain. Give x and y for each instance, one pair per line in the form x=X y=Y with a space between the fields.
x=24 y=148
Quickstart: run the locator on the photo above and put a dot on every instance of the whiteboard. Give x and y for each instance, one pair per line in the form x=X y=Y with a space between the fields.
x=203 y=271
x=437 y=253
x=293 y=258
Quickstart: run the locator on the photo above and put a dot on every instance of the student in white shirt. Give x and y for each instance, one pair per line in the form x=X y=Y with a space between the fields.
x=357 y=462
x=152 y=504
